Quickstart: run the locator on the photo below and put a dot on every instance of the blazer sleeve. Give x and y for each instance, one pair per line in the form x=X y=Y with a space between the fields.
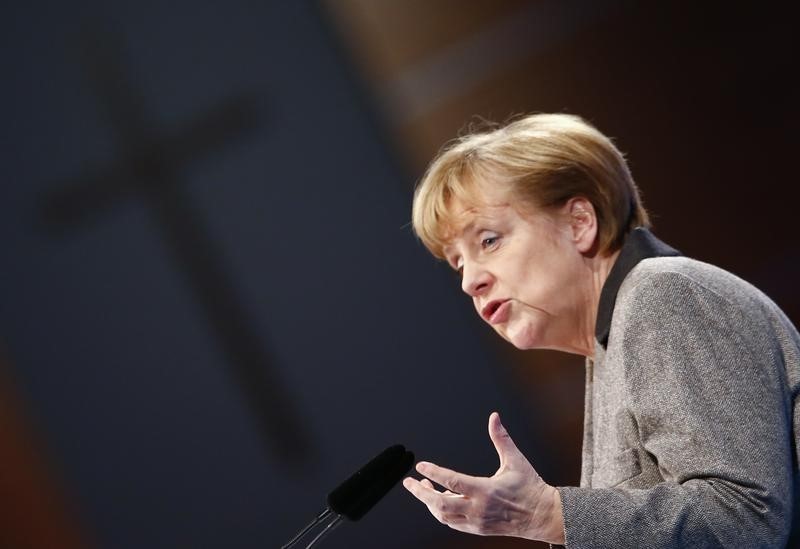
x=706 y=385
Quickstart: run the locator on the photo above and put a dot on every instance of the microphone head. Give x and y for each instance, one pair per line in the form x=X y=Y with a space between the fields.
x=358 y=494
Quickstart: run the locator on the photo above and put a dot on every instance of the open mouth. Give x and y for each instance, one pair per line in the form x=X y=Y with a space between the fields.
x=491 y=308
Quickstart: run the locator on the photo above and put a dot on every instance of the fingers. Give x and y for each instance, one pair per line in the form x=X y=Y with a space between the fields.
x=502 y=504
x=429 y=484
x=506 y=449
x=453 y=481
x=445 y=507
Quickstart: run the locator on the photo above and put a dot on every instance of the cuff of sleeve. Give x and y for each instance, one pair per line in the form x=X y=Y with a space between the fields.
x=575 y=507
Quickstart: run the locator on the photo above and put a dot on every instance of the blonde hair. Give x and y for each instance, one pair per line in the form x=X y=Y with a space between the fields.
x=543 y=160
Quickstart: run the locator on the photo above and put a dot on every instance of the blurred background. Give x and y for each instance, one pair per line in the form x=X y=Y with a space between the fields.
x=213 y=309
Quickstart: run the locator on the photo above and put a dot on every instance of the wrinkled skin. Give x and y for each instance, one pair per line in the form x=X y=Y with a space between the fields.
x=515 y=501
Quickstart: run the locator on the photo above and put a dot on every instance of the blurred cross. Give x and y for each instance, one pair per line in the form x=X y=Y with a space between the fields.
x=149 y=167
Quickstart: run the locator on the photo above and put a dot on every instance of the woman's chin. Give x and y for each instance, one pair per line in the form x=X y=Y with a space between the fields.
x=524 y=339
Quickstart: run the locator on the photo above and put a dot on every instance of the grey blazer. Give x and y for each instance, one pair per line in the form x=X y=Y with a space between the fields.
x=691 y=416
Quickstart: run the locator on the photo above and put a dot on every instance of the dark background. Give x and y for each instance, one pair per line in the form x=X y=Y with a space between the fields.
x=212 y=309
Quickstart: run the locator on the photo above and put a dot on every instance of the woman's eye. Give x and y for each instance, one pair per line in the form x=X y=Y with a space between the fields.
x=489 y=242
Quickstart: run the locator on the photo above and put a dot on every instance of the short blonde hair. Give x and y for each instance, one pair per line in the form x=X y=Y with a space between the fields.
x=543 y=160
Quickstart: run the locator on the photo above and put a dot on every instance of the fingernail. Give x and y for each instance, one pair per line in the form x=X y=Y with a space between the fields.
x=422 y=465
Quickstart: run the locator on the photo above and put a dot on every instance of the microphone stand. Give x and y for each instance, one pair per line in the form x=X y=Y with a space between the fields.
x=335 y=521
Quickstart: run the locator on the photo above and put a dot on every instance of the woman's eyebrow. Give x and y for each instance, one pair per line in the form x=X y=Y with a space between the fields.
x=468 y=228
x=475 y=227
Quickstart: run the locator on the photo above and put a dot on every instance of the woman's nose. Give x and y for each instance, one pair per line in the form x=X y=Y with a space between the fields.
x=475 y=280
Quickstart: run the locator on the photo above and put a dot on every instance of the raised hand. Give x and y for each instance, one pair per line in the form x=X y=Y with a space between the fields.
x=515 y=501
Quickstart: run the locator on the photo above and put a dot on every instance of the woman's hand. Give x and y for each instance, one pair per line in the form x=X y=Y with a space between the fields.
x=515 y=501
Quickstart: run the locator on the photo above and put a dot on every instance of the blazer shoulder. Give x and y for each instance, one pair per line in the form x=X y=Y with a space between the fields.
x=668 y=278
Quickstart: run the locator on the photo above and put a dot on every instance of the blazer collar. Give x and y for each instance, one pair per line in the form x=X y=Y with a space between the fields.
x=639 y=244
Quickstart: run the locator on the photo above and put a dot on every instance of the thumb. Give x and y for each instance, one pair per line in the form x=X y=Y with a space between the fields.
x=506 y=449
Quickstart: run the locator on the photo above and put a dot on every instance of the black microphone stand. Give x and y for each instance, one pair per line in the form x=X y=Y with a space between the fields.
x=335 y=521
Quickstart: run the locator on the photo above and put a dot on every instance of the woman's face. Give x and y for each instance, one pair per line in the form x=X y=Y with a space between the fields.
x=526 y=274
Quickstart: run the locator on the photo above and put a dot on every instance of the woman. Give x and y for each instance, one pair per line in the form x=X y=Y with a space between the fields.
x=690 y=430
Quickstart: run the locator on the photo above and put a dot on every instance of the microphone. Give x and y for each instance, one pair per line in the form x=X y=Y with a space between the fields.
x=353 y=498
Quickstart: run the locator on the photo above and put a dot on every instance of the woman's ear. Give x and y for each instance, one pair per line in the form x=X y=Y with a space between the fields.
x=583 y=222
